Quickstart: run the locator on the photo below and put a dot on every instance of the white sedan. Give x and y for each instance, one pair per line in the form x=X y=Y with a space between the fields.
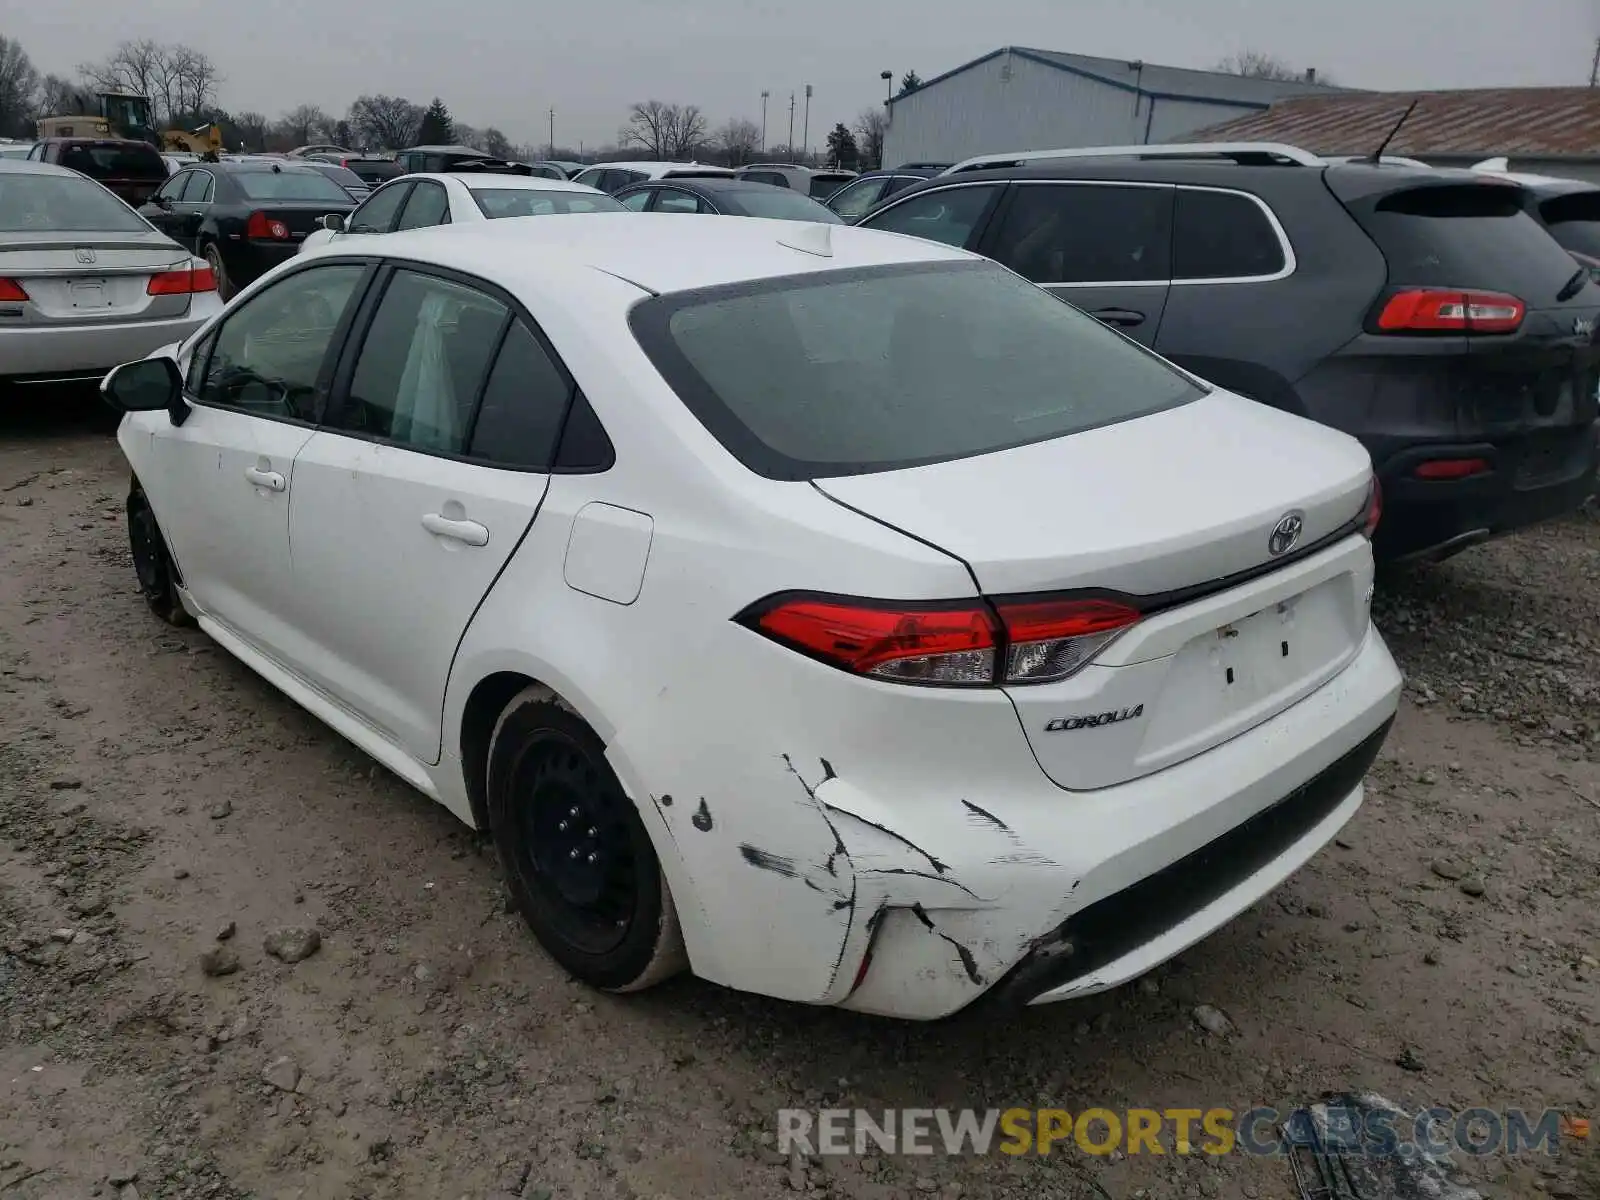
x=417 y=201
x=833 y=612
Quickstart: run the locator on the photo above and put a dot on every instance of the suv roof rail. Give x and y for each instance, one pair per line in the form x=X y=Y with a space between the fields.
x=1239 y=152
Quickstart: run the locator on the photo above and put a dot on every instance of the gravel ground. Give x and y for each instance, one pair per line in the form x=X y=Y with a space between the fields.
x=241 y=960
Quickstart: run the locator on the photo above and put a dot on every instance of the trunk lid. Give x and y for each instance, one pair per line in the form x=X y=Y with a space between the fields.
x=88 y=278
x=1178 y=509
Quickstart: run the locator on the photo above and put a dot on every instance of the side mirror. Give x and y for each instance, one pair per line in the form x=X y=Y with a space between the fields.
x=146 y=385
x=333 y=222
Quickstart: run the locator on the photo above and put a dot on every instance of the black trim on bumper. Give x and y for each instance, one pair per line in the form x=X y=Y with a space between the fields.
x=1120 y=923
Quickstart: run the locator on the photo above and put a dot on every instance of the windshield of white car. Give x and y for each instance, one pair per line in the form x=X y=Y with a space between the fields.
x=879 y=368
x=531 y=202
x=301 y=184
x=62 y=204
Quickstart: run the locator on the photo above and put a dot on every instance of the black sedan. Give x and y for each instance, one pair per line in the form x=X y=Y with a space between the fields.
x=244 y=217
x=720 y=196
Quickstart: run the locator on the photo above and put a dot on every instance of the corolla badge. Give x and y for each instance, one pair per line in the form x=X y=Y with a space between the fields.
x=1286 y=533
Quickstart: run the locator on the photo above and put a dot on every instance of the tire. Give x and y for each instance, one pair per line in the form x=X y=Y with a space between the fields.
x=152 y=563
x=577 y=858
x=213 y=256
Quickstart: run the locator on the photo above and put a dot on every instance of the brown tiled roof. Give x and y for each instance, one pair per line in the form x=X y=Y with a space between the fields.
x=1556 y=122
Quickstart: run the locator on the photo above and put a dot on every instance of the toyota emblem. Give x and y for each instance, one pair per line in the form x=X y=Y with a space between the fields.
x=84 y=254
x=1286 y=533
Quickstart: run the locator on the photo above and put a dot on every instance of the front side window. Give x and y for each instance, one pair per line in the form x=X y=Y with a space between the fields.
x=428 y=206
x=1222 y=235
x=1086 y=233
x=422 y=362
x=948 y=215
x=378 y=212
x=197 y=188
x=852 y=202
x=269 y=352
x=872 y=369
x=173 y=188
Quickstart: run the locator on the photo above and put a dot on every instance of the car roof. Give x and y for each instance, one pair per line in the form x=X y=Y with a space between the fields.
x=651 y=166
x=24 y=166
x=658 y=252
x=256 y=166
x=720 y=184
x=527 y=183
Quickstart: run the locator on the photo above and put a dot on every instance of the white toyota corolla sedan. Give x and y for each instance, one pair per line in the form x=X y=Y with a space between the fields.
x=419 y=201
x=832 y=612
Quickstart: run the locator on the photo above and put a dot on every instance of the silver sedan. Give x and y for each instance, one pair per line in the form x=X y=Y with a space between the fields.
x=86 y=282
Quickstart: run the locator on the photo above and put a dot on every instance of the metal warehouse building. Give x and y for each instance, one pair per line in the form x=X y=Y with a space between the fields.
x=1543 y=131
x=1021 y=99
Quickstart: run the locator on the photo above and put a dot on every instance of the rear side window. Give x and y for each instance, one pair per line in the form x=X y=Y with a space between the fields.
x=1077 y=233
x=1574 y=221
x=523 y=404
x=1468 y=236
x=845 y=372
x=1222 y=235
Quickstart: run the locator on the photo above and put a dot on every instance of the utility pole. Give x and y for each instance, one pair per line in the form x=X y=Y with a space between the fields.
x=552 y=133
x=764 y=96
x=790 y=146
x=805 y=137
x=1594 y=69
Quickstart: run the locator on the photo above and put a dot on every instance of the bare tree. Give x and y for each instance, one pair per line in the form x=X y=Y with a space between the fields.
x=18 y=83
x=58 y=97
x=188 y=83
x=303 y=124
x=253 y=128
x=649 y=127
x=492 y=141
x=739 y=140
x=871 y=126
x=386 y=122
x=467 y=135
x=133 y=67
x=1257 y=64
x=687 y=131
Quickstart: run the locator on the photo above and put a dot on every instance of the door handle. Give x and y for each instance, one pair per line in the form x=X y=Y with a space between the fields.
x=469 y=532
x=1118 y=316
x=270 y=480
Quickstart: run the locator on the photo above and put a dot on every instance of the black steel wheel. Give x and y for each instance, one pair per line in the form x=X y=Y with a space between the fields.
x=577 y=858
x=152 y=563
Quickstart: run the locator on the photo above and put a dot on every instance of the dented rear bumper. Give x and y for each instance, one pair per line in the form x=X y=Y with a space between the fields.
x=960 y=871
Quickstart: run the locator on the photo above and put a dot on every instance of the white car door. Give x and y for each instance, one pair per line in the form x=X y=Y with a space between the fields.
x=410 y=499
x=221 y=482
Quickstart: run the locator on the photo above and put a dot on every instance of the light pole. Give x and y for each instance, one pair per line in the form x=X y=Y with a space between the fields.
x=764 y=96
x=888 y=85
x=790 y=146
x=552 y=133
x=806 y=135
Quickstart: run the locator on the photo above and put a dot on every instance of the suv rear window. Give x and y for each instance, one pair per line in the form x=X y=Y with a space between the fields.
x=874 y=369
x=1468 y=236
x=110 y=160
x=1574 y=221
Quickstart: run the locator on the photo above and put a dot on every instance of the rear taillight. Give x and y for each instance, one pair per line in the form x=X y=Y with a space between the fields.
x=1374 y=511
x=262 y=226
x=11 y=290
x=182 y=283
x=1449 y=310
x=962 y=643
x=1452 y=468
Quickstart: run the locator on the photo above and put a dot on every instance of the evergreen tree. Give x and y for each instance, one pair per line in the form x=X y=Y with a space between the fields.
x=437 y=128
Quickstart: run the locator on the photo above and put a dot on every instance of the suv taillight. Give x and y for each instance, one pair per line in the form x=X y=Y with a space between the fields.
x=958 y=643
x=262 y=226
x=1450 y=310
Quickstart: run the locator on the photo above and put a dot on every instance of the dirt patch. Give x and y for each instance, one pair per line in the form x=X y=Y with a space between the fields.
x=164 y=813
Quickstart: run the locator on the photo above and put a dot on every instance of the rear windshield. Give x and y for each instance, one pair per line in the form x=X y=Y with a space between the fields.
x=112 y=161
x=1469 y=236
x=62 y=204
x=301 y=184
x=1574 y=221
x=823 y=186
x=344 y=178
x=846 y=372
x=784 y=206
x=526 y=202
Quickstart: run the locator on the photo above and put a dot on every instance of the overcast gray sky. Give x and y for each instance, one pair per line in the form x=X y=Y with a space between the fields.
x=506 y=62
